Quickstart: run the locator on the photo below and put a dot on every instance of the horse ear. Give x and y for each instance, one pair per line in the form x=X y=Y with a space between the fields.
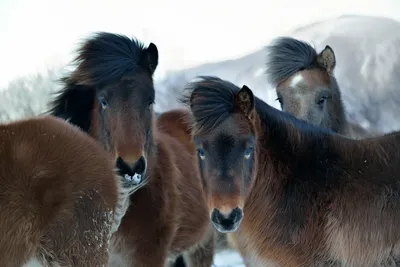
x=149 y=59
x=327 y=60
x=244 y=100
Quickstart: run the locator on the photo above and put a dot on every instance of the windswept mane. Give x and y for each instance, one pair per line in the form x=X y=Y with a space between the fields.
x=286 y=56
x=105 y=57
x=211 y=100
x=102 y=58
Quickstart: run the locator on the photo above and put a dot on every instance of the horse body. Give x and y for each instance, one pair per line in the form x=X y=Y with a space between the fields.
x=58 y=195
x=110 y=95
x=306 y=85
x=309 y=197
x=172 y=220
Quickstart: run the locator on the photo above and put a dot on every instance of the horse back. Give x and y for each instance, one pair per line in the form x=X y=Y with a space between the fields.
x=57 y=195
x=176 y=123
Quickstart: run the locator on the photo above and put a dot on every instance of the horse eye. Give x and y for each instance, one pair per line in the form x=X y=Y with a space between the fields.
x=321 y=100
x=103 y=102
x=201 y=153
x=248 y=152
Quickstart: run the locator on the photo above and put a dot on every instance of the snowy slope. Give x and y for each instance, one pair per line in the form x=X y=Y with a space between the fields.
x=368 y=68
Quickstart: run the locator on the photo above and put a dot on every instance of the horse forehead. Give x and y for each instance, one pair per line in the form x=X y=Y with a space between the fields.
x=235 y=125
x=306 y=81
x=135 y=84
x=296 y=80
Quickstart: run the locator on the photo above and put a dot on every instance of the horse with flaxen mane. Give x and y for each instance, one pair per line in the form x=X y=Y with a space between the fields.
x=110 y=95
x=306 y=86
x=296 y=194
x=59 y=195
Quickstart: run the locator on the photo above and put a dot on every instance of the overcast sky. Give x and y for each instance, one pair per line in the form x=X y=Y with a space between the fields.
x=36 y=34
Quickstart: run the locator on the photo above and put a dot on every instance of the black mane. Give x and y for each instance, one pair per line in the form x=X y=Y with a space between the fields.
x=215 y=104
x=102 y=58
x=211 y=101
x=286 y=56
x=105 y=57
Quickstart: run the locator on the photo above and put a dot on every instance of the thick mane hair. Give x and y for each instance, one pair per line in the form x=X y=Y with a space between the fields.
x=215 y=102
x=102 y=58
x=215 y=105
x=286 y=56
x=105 y=57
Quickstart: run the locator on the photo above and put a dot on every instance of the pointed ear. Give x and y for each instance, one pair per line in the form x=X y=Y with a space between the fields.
x=149 y=59
x=327 y=60
x=244 y=100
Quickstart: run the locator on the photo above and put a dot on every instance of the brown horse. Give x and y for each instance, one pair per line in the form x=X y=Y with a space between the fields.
x=302 y=195
x=110 y=95
x=175 y=122
x=306 y=86
x=58 y=195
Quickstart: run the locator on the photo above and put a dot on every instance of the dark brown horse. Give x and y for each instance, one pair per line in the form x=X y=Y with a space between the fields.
x=297 y=194
x=58 y=195
x=110 y=95
x=306 y=85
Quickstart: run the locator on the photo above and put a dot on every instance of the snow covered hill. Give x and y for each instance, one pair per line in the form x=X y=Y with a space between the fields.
x=368 y=69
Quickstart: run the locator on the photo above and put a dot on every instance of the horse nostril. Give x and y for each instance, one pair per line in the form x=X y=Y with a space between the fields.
x=123 y=167
x=140 y=166
x=216 y=216
x=236 y=215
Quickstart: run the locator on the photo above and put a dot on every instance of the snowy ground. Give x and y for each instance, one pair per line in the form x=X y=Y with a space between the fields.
x=228 y=258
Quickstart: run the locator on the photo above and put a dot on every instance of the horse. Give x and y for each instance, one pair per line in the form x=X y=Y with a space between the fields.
x=110 y=95
x=306 y=86
x=59 y=195
x=294 y=193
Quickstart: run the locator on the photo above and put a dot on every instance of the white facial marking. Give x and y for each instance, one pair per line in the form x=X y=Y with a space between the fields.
x=136 y=178
x=295 y=80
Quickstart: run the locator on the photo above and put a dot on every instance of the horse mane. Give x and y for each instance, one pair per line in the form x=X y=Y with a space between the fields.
x=211 y=101
x=286 y=56
x=215 y=104
x=102 y=58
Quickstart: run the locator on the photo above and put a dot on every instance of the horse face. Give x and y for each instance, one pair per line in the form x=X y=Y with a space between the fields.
x=307 y=95
x=125 y=111
x=313 y=94
x=226 y=160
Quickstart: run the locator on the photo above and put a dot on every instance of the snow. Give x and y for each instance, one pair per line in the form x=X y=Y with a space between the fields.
x=228 y=258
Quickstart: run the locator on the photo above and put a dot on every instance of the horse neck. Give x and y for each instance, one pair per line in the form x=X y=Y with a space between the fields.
x=282 y=140
x=153 y=153
x=337 y=113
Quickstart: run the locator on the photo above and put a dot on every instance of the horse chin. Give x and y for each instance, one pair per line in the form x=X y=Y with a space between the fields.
x=224 y=228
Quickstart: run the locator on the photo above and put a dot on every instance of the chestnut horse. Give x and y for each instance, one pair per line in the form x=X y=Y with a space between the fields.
x=110 y=95
x=59 y=195
x=306 y=85
x=296 y=194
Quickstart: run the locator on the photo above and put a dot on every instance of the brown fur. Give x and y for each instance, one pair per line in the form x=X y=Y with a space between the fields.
x=58 y=193
x=172 y=207
x=311 y=197
x=176 y=123
x=110 y=95
x=311 y=92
